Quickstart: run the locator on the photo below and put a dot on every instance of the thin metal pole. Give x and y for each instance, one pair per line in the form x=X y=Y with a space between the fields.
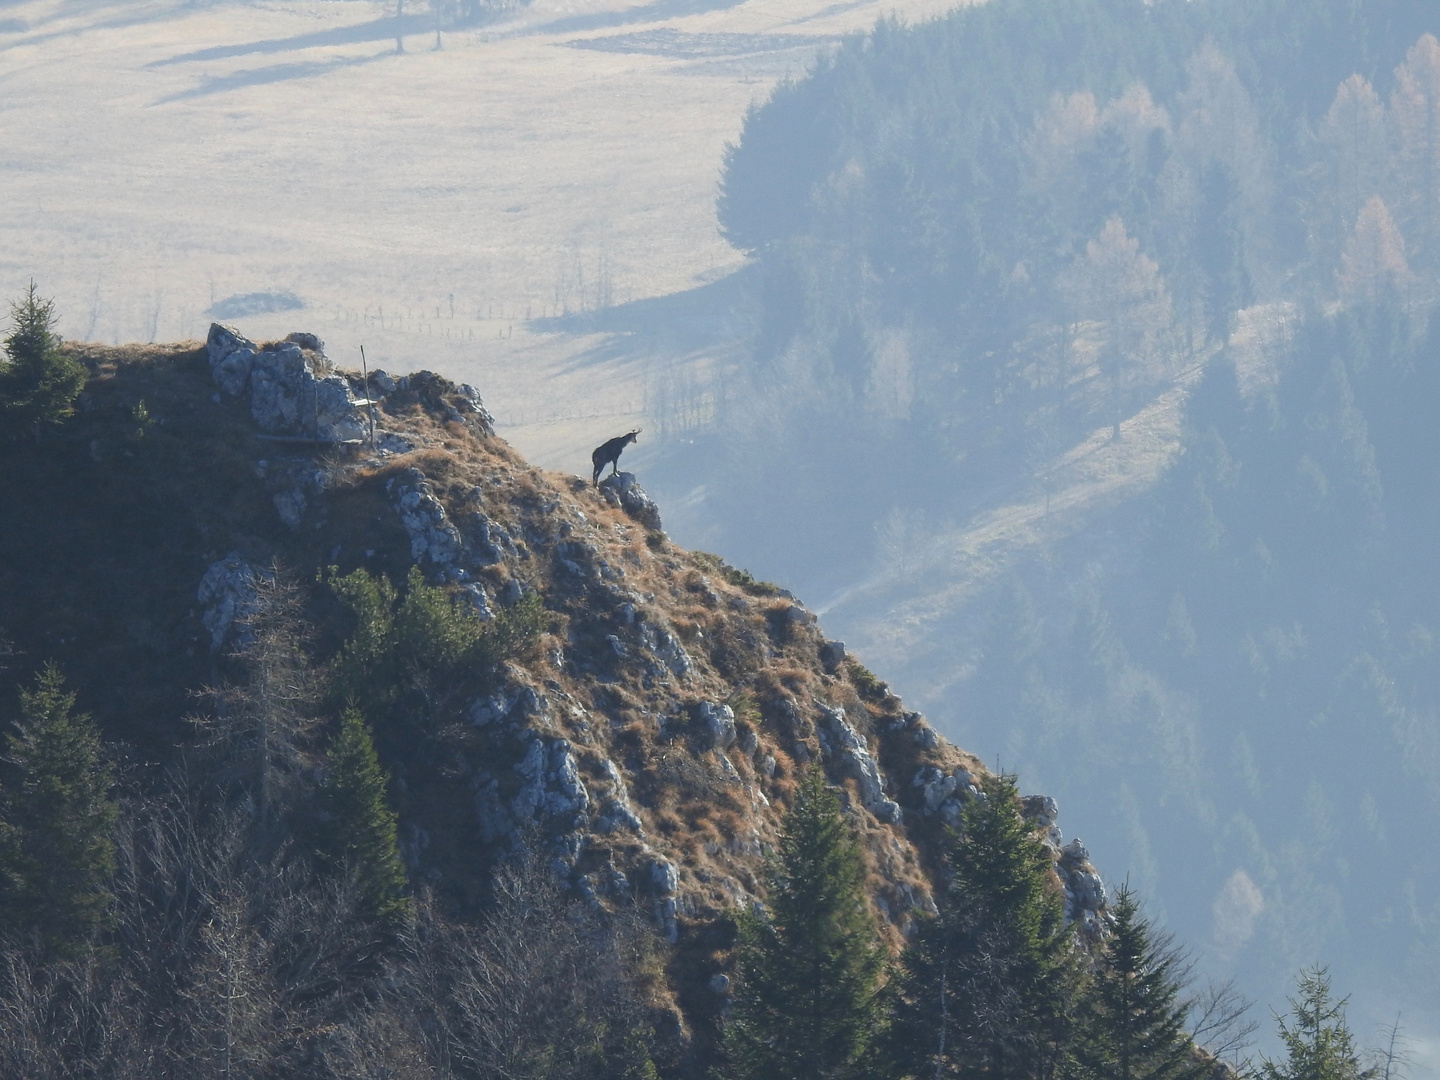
x=369 y=408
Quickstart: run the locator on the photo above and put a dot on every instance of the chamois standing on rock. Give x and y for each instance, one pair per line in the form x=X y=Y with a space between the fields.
x=608 y=453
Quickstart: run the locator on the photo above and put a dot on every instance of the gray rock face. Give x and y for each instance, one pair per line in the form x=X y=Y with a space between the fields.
x=664 y=646
x=832 y=655
x=515 y=701
x=306 y=341
x=717 y=724
x=433 y=538
x=945 y=793
x=489 y=541
x=477 y=407
x=286 y=396
x=232 y=372
x=616 y=813
x=1041 y=809
x=842 y=741
x=664 y=879
x=1075 y=851
x=1085 y=897
x=622 y=490
x=227 y=593
x=224 y=346
x=552 y=787
x=290 y=505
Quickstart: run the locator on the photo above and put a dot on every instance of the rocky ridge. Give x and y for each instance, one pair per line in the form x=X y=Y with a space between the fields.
x=646 y=744
x=659 y=648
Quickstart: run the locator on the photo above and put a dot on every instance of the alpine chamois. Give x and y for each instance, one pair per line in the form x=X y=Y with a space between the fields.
x=608 y=453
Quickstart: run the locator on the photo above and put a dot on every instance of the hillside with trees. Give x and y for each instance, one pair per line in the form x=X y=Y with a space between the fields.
x=344 y=743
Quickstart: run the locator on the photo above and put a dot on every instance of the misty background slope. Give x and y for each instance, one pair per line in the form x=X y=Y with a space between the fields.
x=1093 y=380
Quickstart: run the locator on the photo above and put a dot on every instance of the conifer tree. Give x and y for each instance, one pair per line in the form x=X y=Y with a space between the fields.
x=806 y=1004
x=1132 y=1020
x=983 y=989
x=1318 y=1042
x=38 y=383
x=56 y=817
x=359 y=835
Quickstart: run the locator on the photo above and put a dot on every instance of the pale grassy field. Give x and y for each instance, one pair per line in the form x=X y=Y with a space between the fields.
x=159 y=157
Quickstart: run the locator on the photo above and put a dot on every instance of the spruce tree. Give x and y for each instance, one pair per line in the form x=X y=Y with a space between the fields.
x=1132 y=1021
x=1318 y=1042
x=984 y=986
x=806 y=1002
x=38 y=383
x=358 y=833
x=56 y=819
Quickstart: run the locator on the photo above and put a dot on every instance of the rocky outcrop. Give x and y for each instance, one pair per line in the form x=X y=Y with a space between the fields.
x=623 y=490
x=287 y=396
x=717 y=725
x=434 y=542
x=945 y=792
x=228 y=593
x=665 y=647
x=615 y=750
x=844 y=746
x=616 y=812
x=1084 y=890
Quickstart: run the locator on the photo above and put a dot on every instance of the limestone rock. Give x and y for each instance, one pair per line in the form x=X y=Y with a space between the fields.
x=843 y=741
x=666 y=648
x=286 y=396
x=306 y=341
x=663 y=877
x=717 y=724
x=1085 y=897
x=622 y=490
x=1041 y=809
x=945 y=793
x=616 y=813
x=552 y=787
x=291 y=507
x=227 y=594
x=433 y=538
x=230 y=354
x=832 y=655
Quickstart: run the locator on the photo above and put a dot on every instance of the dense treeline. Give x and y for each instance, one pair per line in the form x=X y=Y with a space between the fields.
x=994 y=984
x=978 y=238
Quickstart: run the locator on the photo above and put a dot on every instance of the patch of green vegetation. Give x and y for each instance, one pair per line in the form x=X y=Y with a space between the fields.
x=741 y=579
x=745 y=707
x=409 y=655
x=38 y=382
x=867 y=684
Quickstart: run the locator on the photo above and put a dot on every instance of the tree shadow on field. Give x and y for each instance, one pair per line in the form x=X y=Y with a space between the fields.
x=52 y=24
x=658 y=11
x=697 y=320
x=221 y=84
x=358 y=34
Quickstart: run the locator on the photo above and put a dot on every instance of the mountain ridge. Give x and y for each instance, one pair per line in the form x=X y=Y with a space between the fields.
x=644 y=741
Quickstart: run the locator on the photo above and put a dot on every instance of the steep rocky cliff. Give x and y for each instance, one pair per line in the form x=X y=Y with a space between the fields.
x=646 y=743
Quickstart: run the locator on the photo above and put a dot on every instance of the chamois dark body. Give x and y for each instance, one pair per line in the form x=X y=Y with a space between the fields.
x=608 y=453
